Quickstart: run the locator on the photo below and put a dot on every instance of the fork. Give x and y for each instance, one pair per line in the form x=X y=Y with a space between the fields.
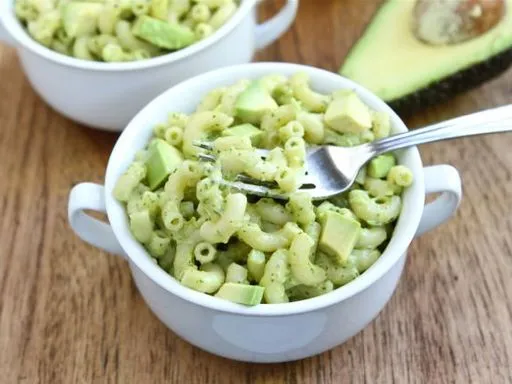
x=331 y=170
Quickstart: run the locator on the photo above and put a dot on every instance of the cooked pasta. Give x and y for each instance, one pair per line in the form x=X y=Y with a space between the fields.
x=253 y=250
x=122 y=30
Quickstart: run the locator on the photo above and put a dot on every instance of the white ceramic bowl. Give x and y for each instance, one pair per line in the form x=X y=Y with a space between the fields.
x=108 y=95
x=264 y=333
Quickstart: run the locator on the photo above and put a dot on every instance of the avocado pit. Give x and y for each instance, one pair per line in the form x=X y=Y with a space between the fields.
x=446 y=22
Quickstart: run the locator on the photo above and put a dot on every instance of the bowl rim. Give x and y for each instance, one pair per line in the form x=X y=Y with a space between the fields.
x=17 y=32
x=414 y=196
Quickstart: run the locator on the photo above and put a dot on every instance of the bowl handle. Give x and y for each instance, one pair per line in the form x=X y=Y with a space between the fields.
x=446 y=180
x=93 y=231
x=271 y=30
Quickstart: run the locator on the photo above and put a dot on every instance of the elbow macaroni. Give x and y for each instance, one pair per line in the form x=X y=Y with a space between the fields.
x=231 y=220
x=254 y=236
x=207 y=235
x=311 y=100
x=44 y=19
x=200 y=125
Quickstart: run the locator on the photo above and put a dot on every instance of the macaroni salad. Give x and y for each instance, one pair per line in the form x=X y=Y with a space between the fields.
x=121 y=30
x=252 y=250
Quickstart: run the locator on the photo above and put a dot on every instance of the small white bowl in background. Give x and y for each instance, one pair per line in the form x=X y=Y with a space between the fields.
x=107 y=95
x=263 y=333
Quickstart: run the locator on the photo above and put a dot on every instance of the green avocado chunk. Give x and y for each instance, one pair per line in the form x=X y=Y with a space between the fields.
x=163 y=34
x=241 y=293
x=141 y=225
x=348 y=114
x=247 y=129
x=253 y=103
x=162 y=159
x=409 y=74
x=379 y=167
x=339 y=236
x=81 y=18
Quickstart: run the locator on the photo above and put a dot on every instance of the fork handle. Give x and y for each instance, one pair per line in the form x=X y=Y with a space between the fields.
x=495 y=120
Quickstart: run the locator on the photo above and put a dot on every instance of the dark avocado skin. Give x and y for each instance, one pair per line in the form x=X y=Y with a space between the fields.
x=457 y=83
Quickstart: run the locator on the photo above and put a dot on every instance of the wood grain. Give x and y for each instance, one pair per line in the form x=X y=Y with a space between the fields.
x=71 y=314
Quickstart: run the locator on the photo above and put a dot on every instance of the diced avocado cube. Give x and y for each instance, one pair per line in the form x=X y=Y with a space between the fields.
x=241 y=293
x=163 y=34
x=380 y=166
x=339 y=236
x=81 y=18
x=253 y=103
x=141 y=225
x=247 y=130
x=348 y=114
x=162 y=159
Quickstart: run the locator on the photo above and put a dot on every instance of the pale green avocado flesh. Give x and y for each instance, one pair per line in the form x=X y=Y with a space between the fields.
x=339 y=236
x=162 y=159
x=379 y=166
x=163 y=34
x=253 y=103
x=390 y=61
x=348 y=114
x=241 y=293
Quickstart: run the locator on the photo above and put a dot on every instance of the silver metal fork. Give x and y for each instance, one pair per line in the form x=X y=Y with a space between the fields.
x=331 y=170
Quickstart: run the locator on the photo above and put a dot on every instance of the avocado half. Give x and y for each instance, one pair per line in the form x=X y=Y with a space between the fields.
x=409 y=74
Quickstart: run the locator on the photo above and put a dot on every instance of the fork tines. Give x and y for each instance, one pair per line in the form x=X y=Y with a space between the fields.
x=242 y=182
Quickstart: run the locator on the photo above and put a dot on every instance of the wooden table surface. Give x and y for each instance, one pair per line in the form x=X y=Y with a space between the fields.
x=70 y=313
